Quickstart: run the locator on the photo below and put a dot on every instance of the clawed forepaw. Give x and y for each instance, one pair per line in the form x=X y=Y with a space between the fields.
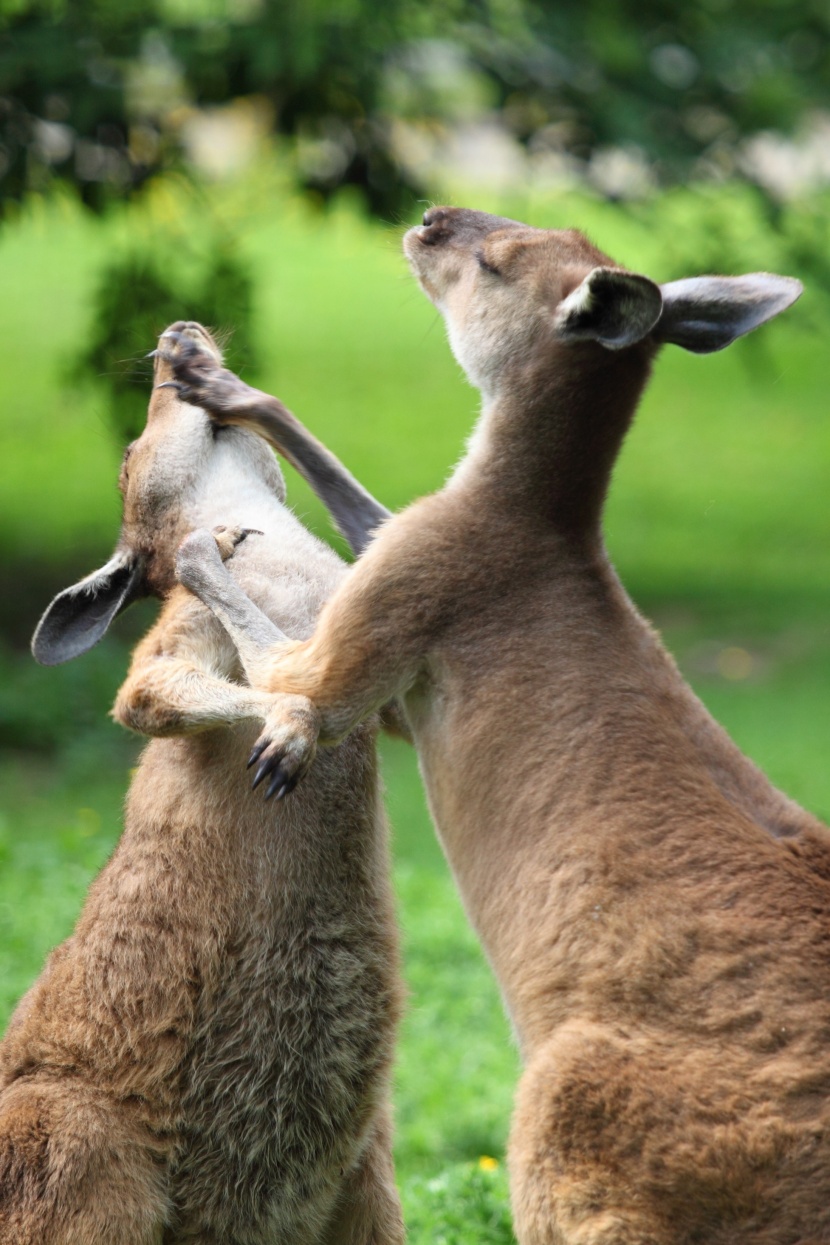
x=201 y=550
x=227 y=538
x=281 y=782
x=284 y=752
x=193 y=363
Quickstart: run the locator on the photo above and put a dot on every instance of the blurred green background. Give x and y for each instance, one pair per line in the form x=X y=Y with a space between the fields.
x=252 y=164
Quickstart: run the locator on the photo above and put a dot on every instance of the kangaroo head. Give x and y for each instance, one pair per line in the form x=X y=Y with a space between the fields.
x=182 y=472
x=512 y=295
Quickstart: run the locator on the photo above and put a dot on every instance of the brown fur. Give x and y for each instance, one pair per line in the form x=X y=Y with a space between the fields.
x=207 y=1057
x=658 y=915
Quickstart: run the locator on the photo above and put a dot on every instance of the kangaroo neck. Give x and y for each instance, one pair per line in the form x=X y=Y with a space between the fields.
x=546 y=443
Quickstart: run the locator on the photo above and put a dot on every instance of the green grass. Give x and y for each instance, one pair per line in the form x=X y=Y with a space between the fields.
x=718 y=522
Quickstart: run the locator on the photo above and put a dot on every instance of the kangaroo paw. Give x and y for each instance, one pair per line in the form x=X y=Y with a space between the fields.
x=286 y=748
x=199 y=378
x=227 y=538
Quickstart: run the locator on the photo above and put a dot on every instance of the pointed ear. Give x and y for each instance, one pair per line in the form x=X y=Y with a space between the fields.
x=611 y=307
x=707 y=313
x=79 y=616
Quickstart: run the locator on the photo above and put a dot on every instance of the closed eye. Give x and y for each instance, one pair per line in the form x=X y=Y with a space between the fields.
x=488 y=267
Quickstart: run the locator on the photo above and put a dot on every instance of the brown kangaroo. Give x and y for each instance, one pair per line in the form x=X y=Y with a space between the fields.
x=657 y=914
x=206 y=1059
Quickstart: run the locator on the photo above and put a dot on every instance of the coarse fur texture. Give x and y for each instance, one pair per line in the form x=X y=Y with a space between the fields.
x=206 y=1059
x=657 y=914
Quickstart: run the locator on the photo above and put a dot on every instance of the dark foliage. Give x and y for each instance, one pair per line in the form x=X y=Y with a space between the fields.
x=142 y=292
x=682 y=82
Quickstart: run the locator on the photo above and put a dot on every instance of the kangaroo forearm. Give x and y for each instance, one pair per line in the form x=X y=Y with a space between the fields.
x=260 y=644
x=228 y=400
x=356 y=513
x=201 y=570
x=343 y=691
x=369 y=644
x=177 y=698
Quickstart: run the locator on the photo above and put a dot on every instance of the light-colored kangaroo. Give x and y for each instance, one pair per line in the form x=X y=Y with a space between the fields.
x=657 y=914
x=206 y=1058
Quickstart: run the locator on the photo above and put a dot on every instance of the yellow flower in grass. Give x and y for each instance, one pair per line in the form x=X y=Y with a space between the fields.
x=487 y=1164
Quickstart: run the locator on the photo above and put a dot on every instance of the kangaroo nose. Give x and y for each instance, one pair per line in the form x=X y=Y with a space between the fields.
x=436 y=225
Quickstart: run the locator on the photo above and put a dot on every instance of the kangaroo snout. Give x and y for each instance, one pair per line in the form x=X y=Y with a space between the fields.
x=183 y=339
x=463 y=226
x=189 y=328
x=437 y=225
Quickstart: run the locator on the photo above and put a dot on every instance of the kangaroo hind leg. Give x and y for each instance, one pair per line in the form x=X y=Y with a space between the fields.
x=368 y=1210
x=75 y=1171
x=575 y=1148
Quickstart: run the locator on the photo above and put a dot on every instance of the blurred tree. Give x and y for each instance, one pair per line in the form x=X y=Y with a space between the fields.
x=95 y=90
x=139 y=294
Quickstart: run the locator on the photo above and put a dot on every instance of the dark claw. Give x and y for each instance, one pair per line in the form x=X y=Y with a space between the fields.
x=260 y=774
x=286 y=788
x=280 y=785
x=289 y=786
x=277 y=785
x=245 y=533
x=257 y=753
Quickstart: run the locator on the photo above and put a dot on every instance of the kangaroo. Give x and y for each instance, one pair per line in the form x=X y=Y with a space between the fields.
x=206 y=1059
x=657 y=914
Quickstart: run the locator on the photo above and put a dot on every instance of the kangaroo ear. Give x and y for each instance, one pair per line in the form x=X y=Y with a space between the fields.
x=79 y=616
x=707 y=313
x=611 y=307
